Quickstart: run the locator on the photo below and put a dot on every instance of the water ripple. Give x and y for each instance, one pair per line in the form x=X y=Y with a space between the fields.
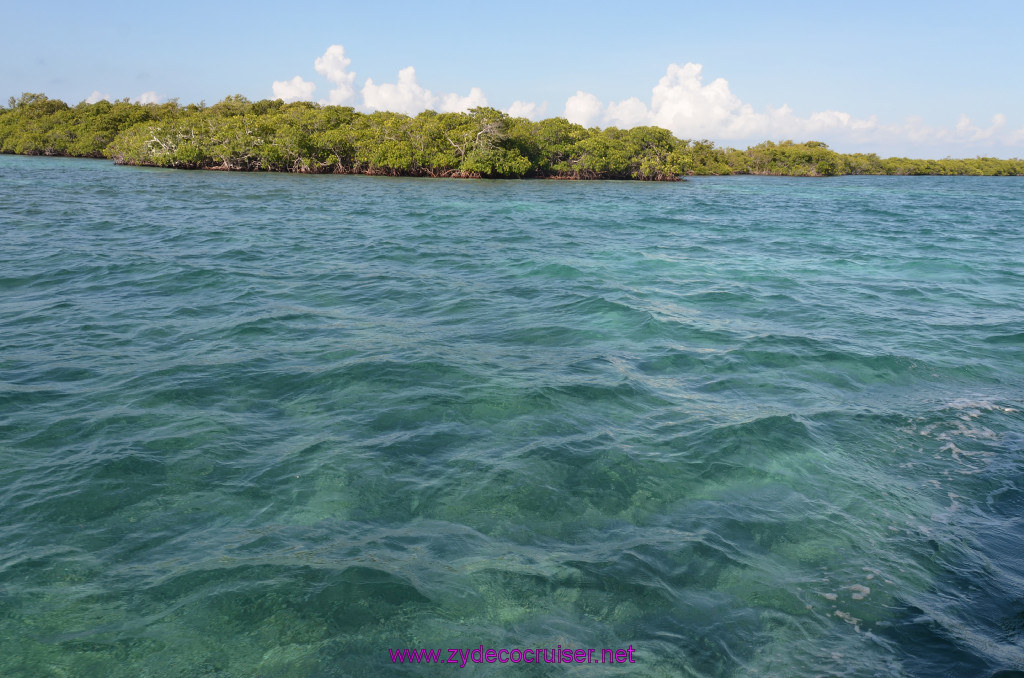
x=275 y=425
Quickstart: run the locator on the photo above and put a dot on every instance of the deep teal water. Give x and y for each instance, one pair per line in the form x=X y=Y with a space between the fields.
x=264 y=425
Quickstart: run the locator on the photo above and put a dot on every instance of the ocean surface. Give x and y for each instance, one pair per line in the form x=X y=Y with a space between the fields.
x=272 y=425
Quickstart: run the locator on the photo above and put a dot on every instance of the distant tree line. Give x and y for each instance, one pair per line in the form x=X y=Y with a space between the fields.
x=272 y=136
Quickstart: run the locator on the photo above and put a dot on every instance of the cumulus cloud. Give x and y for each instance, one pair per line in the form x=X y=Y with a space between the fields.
x=527 y=109
x=584 y=109
x=1017 y=136
x=453 y=103
x=971 y=132
x=295 y=89
x=680 y=101
x=964 y=133
x=333 y=65
x=96 y=97
x=149 y=98
x=404 y=96
x=683 y=103
x=628 y=113
x=409 y=97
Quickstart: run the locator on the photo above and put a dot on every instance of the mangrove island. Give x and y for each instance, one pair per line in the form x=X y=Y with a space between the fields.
x=273 y=136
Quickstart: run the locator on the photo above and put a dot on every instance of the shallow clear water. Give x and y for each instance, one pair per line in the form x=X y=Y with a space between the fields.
x=265 y=425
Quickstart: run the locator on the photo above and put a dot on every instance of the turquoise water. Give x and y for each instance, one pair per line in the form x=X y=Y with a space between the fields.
x=265 y=425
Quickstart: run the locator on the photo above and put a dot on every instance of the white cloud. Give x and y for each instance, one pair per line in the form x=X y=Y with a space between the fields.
x=628 y=113
x=584 y=109
x=149 y=98
x=527 y=109
x=682 y=103
x=405 y=96
x=333 y=65
x=453 y=103
x=96 y=97
x=409 y=97
x=970 y=132
x=295 y=89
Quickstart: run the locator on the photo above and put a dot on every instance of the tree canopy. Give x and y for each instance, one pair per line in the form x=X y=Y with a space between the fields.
x=270 y=135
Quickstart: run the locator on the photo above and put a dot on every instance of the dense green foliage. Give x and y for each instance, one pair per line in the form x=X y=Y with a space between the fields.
x=270 y=135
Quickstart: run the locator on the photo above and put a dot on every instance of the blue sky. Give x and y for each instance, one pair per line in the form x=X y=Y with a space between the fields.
x=907 y=78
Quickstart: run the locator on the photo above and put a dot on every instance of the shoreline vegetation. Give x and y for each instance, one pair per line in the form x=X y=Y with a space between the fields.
x=271 y=136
